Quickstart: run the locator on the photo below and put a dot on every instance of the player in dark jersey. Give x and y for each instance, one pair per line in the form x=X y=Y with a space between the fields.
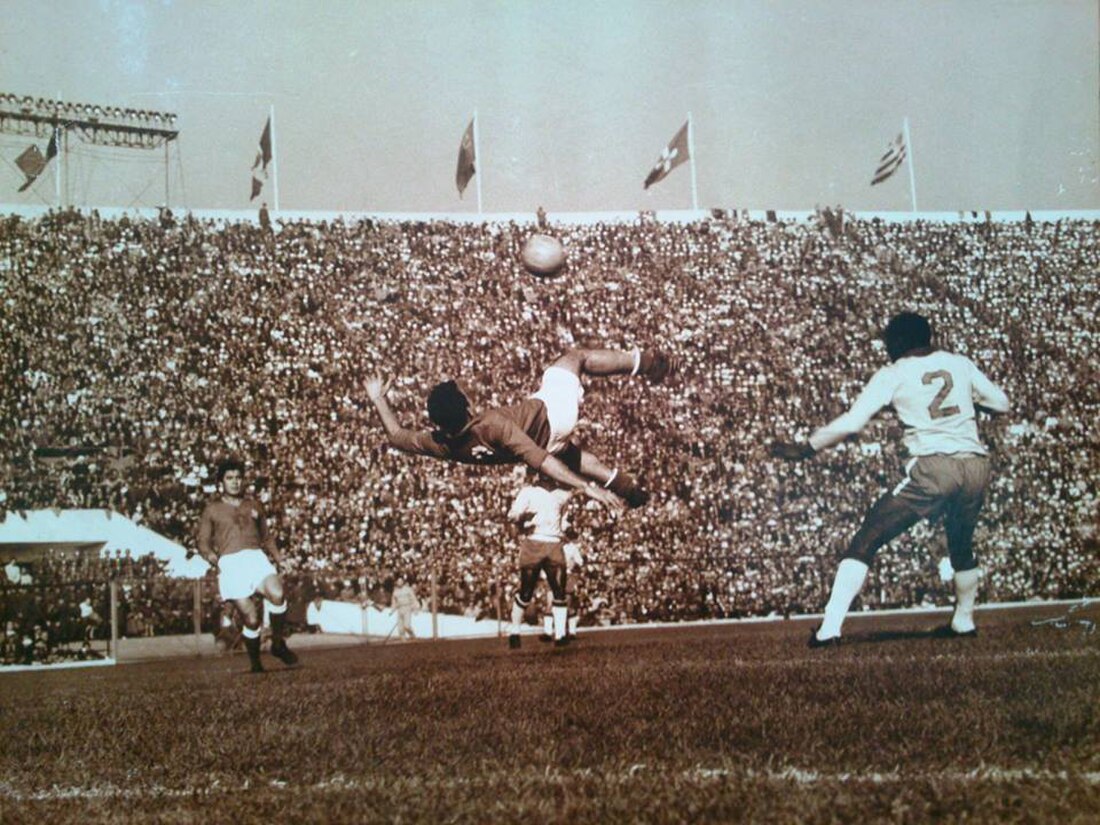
x=233 y=537
x=536 y=431
x=935 y=394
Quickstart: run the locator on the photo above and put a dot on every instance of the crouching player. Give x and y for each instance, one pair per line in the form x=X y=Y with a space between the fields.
x=233 y=537
x=538 y=510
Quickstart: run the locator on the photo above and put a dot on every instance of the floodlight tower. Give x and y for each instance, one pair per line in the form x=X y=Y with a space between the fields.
x=96 y=124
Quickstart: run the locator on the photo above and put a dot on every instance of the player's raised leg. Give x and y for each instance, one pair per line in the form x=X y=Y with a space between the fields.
x=621 y=483
x=653 y=364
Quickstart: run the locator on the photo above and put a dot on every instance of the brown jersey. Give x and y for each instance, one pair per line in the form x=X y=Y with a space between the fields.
x=225 y=528
x=514 y=434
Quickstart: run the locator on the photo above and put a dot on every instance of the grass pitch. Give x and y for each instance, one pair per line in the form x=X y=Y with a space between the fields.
x=730 y=723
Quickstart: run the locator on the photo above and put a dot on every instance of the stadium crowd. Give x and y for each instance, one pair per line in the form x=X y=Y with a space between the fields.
x=138 y=352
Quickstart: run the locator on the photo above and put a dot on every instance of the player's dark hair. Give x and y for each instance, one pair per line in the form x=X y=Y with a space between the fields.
x=906 y=331
x=448 y=407
x=227 y=464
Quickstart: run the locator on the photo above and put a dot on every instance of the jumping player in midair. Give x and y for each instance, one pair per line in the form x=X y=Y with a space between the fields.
x=536 y=431
x=935 y=394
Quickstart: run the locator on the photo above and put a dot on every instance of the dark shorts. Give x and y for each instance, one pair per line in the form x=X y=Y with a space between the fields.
x=536 y=553
x=952 y=486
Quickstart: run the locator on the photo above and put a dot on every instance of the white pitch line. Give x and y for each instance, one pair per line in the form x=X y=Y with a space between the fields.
x=553 y=776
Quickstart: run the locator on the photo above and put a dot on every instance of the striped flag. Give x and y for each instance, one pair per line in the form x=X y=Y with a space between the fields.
x=891 y=161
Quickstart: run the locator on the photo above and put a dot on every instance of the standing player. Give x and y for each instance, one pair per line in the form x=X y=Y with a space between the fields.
x=404 y=602
x=538 y=509
x=233 y=537
x=934 y=393
x=536 y=431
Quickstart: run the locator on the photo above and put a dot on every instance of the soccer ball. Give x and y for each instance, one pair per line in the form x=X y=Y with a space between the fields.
x=543 y=256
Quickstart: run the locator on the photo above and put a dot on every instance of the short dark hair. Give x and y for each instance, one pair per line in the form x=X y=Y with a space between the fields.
x=227 y=464
x=906 y=331
x=448 y=407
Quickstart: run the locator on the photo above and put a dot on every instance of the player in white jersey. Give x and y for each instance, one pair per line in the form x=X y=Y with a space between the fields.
x=538 y=509
x=935 y=394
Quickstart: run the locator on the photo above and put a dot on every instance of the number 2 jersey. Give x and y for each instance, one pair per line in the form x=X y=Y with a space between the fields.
x=934 y=395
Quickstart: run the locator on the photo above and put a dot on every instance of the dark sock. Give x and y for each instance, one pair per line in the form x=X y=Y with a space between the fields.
x=655 y=365
x=278 y=627
x=253 y=648
x=626 y=487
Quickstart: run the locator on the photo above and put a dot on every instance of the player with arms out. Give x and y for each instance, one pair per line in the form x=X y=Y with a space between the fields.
x=233 y=537
x=536 y=431
x=935 y=394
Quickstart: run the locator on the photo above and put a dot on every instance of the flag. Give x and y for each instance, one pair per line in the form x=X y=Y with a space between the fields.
x=891 y=160
x=467 y=159
x=263 y=158
x=263 y=151
x=671 y=156
x=32 y=163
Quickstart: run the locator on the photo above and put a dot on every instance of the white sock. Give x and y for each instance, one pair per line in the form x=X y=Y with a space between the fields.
x=548 y=625
x=572 y=625
x=847 y=583
x=966 y=593
x=517 y=618
x=559 y=612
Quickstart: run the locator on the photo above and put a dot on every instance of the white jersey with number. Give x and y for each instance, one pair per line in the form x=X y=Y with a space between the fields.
x=934 y=396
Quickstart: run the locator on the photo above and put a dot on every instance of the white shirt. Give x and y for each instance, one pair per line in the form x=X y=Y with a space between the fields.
x=934 y=396
x=545 y=508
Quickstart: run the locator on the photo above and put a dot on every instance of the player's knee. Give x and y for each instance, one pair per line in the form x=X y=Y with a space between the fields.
x=861 y=549
x=572 y=359
x=963 y=560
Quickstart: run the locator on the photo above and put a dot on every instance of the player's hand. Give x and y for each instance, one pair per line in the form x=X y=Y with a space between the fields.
x=789 y=451
x=377 y=387
x=605 y=497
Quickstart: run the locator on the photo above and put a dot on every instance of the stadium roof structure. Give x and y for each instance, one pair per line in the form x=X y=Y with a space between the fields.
x=28 y=535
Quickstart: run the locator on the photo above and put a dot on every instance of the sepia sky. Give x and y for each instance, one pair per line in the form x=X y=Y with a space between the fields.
x=793 y=101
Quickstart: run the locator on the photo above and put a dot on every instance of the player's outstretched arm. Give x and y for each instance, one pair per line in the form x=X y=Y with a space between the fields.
x=987 y=395
x=398 y=436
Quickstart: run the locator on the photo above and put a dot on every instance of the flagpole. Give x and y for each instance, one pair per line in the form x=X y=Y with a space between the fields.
x=691 y=157
x=60 y=156
x=477 y=162
x=274 y=161
x=912 y=174
x=59 y=168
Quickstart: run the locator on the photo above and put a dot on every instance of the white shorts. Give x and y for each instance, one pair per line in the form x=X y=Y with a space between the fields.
x=561 y=392
x=240 y=574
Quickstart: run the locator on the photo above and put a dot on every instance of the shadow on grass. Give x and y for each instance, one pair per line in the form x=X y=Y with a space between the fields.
x=939 y=633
